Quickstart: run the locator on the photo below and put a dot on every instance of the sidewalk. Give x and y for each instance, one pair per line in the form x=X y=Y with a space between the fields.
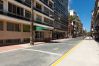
x=85 y=54
x=20 y=46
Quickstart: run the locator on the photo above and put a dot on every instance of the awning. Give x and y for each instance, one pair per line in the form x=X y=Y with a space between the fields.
x=39 y=28
x=43 y=26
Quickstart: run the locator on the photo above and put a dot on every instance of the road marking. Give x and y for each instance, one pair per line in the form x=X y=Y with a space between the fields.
x=44 y=52
x=66 y=54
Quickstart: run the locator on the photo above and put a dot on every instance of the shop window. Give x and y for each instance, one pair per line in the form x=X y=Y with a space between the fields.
x=39 y=35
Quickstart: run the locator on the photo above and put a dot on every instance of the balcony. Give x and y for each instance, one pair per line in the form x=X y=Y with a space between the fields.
x=44 y=23
x=24 y=3
x=40 y=11
x=50 y=6
x=13 y=15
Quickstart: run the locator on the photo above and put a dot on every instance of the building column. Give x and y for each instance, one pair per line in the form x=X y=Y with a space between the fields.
x=21 y=28
x=5 y=5
x=5 y=29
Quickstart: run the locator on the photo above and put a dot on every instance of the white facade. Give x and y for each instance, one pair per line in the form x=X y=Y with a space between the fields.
x=72 y=13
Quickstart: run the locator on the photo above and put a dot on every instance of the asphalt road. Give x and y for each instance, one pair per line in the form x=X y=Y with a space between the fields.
x=41 y=55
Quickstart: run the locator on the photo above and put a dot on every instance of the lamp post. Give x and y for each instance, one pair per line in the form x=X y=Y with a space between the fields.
x=32 y=26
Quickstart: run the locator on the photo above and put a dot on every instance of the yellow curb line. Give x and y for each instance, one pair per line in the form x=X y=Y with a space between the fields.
x=66 y=54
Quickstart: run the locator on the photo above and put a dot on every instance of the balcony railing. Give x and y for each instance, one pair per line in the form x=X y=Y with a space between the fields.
x=24 y=3
x=13 y=15
x=40 y=11
x=46 y=4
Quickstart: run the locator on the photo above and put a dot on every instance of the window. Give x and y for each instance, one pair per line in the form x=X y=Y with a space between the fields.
x=27 y=14
x=46 y=20
x=1 y=5
x=28 y=2
x=38 y=18
x=15 y=9
x=17 y=27
x=13 y=27
x=26 y=28
x=38 y=6
x=10 y=7
x=1 y=26
x=50 y=4
x=46 y=10
x=19 y=11
x=10 y=26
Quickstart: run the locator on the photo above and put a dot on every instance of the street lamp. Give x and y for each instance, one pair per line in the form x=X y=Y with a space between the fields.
x=32 y=26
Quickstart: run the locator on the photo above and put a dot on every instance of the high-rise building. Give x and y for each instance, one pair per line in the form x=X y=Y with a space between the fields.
x=61 y=18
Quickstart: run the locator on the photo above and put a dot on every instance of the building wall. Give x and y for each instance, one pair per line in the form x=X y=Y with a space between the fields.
x=6 y=16
x=61 y=17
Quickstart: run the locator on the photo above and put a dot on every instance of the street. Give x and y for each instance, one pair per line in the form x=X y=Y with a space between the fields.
x=84 y=54
x=49 y=32
x=40 y=55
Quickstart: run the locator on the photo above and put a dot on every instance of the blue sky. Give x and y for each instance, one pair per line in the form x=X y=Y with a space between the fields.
x=83 y=9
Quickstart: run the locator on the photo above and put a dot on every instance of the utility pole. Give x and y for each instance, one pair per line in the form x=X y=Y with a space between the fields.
x=32 y=25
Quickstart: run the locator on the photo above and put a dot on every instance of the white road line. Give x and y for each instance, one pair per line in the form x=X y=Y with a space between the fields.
x=44 y=52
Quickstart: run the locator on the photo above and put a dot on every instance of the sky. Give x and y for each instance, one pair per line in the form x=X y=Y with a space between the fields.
x=84 y=9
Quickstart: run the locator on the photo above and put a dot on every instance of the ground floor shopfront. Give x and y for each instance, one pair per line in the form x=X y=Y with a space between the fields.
x=42 y=34
x=18 y=33
x=13 y=32
x=58 y=34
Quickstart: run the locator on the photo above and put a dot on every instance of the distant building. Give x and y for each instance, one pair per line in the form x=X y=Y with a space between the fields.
x=72 y=13
x=75 y=27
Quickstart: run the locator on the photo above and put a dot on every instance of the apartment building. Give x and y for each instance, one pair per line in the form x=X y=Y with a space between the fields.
x=95 y=20
x=15 y=20
x=75 y=27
